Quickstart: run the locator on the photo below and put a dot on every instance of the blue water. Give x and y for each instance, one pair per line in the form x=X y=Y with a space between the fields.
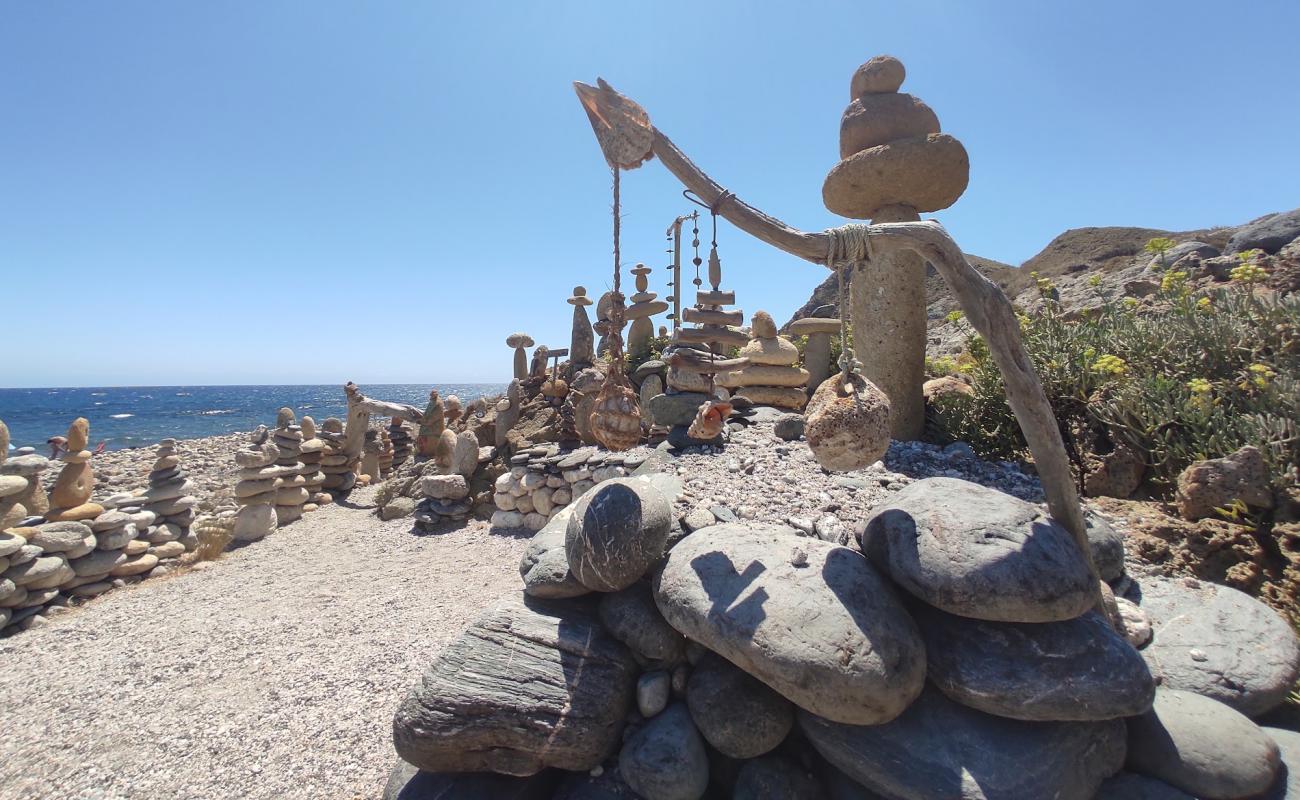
x=136 y=416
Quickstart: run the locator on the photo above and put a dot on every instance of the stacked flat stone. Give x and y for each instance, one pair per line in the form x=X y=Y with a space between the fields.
x=895 y=164
x=402 y=441
x=370 y=454
x=70 y=496
x=446 y=499
x=644 y=306
x=994 y=678
x=21 y=493
x=543 y=480
x=335 y=463
x=171 y=505
x=772 y=377
x=291 y=494
x=255 y=492
x=310 y=453
x=817 y=352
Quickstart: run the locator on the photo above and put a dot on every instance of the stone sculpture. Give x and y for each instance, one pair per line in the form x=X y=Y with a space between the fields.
x=169 y=500
x=772 y=376
x=310 y=453
x=431 y=424
x=644 y=306
x=76 y=480
x=292 y=493
x=255 y=492
x=519 y=341
x=582 y=339
x=817 y=353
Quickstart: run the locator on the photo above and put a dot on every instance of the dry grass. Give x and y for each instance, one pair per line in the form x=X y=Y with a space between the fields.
x=214 y=534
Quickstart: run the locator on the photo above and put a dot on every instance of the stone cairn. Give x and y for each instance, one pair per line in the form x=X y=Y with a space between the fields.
x=401 y=440
x=21 y=493
x=644 y=306
x=310 y=453
x=894 y=164
x=520 y=341
x=291 y=493
x=432 y=424
x=168 y=500
x=337 y=465
x=690 y=365
x=385 y=454
x=817 y=352
x=772 y=376
x=446 y=487
x=543 y=480
x=747 y=660
x=255 y=492
x=582 y=339
x=371 y=453
x=70 y=496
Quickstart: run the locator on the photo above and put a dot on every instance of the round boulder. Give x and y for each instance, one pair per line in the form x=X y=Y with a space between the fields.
x=737 y=713
x=847 y=423
x=633 y=618
x=876 y=119
x=617 y=532
x=976 y=552
x=880 y=74
x=665 y=758
x=811 y=619
x=926 y=173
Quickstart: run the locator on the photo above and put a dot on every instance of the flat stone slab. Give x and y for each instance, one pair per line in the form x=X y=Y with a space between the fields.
x=976 y=552
x=1080 y=669
x=813 y=620
x=531 y=684
x=1219 y=642
x=941 y=750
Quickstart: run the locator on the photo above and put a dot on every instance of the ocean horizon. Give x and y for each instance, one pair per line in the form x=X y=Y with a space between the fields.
x=138 y=416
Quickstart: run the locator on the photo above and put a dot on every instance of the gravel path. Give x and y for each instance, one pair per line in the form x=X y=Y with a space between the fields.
x=271 y=673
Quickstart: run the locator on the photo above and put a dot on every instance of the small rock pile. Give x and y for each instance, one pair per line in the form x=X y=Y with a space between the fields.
x=957 y=651
x=291 y=491
x=773 y=376
x=644 y=306
x=445 y=481
x=335 y=463
x=255 y=492
x=21 y=494
x=310 y=453
x=169 y=500
x=543 y=480
x=402 y=442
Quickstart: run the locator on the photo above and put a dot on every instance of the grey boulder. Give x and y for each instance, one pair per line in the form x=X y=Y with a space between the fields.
x=736 y=713
x=1269 y=234
x=634 y=619
x=1131 y=786
x=665 y=759
x=940 y=750
x=1080 y=669
x=775 y=778
x=1107 y=547
x=1220 y=643
x=545 y=565
x=813 y=620
x=1201 y=746
x=979 y=553
x=531 y=684
x=1286 y=786
x=608 y=785
x=60 y=537
x=617 y=532
x=405 y=782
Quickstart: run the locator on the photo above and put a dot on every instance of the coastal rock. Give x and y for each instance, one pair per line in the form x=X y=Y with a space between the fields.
x=976 y=552
x=530 y=684
x=652 y=690
x=1106 y=546
x=1269 y=234
x=36 y=570
x=735 y=712
x=665 y=758
x=1080 y=669
x=812 y=620
x=59 y=537
x=545 y=564
x=775 y=778
x=1218 y=482
x=633 y=618
x=1201 y=746
x=1287 y=783
x=616 y=533
x=941 y=750
x=255 y=522
x=1220 y=643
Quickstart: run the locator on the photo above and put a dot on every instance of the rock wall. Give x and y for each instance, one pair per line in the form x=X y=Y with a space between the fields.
x=543 y=480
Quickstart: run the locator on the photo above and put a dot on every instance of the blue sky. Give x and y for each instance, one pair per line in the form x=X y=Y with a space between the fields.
x=296 y=192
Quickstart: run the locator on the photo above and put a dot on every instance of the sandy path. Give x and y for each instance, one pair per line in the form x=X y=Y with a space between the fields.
x=273 y=672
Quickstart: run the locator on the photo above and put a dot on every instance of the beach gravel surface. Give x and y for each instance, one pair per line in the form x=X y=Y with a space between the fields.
x=273 y=672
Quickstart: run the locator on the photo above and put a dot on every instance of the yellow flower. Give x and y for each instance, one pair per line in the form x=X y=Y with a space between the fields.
x=955 y=316
x=1173 y=281
x=1204 y=304
x=1130 y=302
x=1199 y=386
x=1248 y=273
x=1110 y=365
x=1094 y=281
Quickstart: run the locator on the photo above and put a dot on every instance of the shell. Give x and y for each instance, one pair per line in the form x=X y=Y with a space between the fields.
x=616 y=419
x=709 y=420
x=847 y=423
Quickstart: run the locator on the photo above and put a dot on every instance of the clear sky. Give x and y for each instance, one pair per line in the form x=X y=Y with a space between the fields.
x=297 y=192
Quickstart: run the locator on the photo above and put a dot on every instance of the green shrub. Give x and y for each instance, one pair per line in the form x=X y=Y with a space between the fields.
x=1195 y=376
x=657 y=345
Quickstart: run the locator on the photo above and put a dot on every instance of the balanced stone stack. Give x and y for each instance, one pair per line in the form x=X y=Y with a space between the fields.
x=401 y=440
x=385 y=454
x=446 y=498
x=310 y=453
x=171 y=505
x=70 y=496
x=582 y=338
x=370 y=454
x=291 y=494
x=817 y=352
x=772 y=376
x=749 y=660
x=520 y=341
x=255 y=492
x=336 y=463
x=543 y=480
x=21 y=493
x=644 y=306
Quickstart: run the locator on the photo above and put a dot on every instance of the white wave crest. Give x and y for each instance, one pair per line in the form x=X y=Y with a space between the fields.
x=120 y=416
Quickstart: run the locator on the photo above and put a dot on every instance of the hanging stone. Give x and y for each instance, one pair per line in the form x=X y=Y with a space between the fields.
x=846 y=423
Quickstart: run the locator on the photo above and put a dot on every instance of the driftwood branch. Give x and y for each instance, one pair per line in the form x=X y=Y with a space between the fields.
x=986 y=306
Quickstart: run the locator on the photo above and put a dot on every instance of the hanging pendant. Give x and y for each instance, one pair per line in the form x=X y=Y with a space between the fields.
x=847 y=423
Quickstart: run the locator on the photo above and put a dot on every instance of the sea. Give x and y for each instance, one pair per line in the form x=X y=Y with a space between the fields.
x=138 y=416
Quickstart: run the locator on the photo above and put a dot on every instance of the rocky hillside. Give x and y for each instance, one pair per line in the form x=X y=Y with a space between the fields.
x=1071 y=259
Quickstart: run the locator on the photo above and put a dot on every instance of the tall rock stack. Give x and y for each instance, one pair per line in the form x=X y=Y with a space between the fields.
x=894 y=164
x=21 y=493
x=772 y=376
x=310 y=454
x=292 y=492
x=432 y=423
x=403 y=444
x=582 y=339
x=520 y=341
x=370 y=453
x=744 y=660
x=171 y=505
x=385 y=454
x=817 y=353
x=70 y=495
x=335 y=463
x=644 y=306
x=255 y=492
